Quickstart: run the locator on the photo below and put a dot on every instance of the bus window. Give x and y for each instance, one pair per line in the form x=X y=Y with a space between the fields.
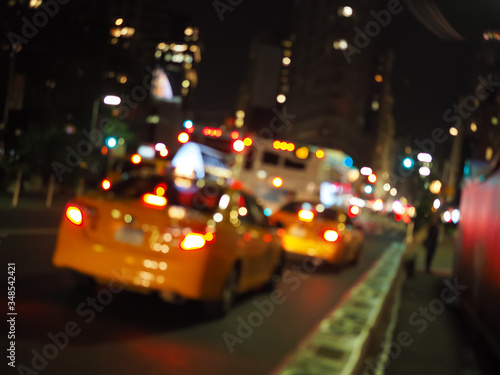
x=270 y=158
x=293 y=164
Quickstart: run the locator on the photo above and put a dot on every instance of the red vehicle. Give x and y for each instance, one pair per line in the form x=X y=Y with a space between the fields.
x=477 y=257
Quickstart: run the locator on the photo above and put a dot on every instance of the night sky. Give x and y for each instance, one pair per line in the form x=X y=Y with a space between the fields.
x=429 y=74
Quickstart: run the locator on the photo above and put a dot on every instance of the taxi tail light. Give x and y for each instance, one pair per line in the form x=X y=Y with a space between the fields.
x=74 y=214
x=195 y=241
x=154 y=200
x=331 y=235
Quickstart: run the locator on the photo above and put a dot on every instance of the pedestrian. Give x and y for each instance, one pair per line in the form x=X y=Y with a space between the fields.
x=430 y=242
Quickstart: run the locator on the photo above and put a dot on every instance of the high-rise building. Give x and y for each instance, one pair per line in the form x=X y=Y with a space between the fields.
x=339 y=81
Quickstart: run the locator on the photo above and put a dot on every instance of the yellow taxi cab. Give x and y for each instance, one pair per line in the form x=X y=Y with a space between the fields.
x=133 y=165
x=181 y=238
x=311 y=229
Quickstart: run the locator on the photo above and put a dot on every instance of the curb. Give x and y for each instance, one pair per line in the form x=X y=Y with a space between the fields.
x=355 y=329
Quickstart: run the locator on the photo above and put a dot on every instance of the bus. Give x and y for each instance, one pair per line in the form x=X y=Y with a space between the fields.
x=279 y=172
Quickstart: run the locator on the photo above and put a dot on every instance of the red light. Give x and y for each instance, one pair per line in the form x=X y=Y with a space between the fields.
x=267 y=237
x=105 y=184
x=398 y=217
x=160 y=189
x=183 y=137
x=193 y=241
x=353 y=211
x=154 y=200
x=331 y=235
x=320 y=154
x=74 y=215
x=190 y=130
x=209 y=237
x=235 y=135
x=104 y=150
x=136 y=159
x=247 y=236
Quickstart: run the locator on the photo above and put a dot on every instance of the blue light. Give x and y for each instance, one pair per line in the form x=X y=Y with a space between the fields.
x=348 y=161
x=267 y=212
x=368 y=189
x=111 y=142
x=408 y=163
x=188 y=124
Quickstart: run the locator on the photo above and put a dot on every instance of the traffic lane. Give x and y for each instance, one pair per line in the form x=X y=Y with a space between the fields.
x=27 y=218
x=134 y=333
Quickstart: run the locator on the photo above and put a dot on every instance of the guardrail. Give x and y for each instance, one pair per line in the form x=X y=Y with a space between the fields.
x=354 y=332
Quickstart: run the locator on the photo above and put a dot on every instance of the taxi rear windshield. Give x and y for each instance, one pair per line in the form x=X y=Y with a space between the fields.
x=183 y=192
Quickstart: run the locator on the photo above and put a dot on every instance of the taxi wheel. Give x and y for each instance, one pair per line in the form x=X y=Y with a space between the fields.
x=222 y=306
x=276 y=275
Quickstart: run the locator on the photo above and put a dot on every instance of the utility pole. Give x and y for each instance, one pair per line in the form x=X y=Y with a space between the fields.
x=5 y=118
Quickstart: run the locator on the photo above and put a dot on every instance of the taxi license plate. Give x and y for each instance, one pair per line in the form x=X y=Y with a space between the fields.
x=297 y=231
x=129 y=236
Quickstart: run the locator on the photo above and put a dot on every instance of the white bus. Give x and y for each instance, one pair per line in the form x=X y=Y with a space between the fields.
x=279 y=172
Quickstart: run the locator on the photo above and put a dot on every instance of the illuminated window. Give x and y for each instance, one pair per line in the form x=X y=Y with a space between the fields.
x=35 y=3
x=340 y=44
x=345 y=11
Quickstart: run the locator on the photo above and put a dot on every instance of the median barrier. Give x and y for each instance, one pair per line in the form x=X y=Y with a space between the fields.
x=349 y=340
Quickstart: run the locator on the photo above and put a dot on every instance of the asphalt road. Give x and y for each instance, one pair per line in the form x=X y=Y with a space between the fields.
x=138 y=334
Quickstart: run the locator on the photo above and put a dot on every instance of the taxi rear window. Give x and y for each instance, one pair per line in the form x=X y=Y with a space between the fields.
x=203 y=199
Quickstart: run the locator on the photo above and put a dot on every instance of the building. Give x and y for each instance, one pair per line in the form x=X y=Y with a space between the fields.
x=339 y=81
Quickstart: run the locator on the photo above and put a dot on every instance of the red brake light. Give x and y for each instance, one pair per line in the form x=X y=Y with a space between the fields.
x=154 y=200
x=331 y=235
x=74 y=215
x=105 y=184
x=194 y=241
x=306 y=215
x=353 y=211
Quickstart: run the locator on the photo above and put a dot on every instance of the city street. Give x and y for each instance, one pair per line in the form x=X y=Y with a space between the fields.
x=132 y=334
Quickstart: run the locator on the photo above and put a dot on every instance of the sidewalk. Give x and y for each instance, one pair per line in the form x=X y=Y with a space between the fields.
x=32 y=201
x=438 y=342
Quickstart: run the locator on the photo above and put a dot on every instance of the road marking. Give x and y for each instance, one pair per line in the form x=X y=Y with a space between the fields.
x=27 y=232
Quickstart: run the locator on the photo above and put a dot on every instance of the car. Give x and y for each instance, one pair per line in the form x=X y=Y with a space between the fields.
x=325 y=233
x=180 y=238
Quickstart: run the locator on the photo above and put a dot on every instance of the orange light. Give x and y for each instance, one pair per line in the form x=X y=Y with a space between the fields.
x=353 y=211
x=372 y=178
x=267 y=237
x=331 y=235
x=193 y=241
x=209 y=237
x=378 y=78
x=104 y=150
x=105 y=184
x=306 y=216
x=235 y=135
x=320 y=154
x=280 y=232
x=248 y=141
x=247 y=236
x=406 y=219
x=277 y=182
x=154 y=200
x=164 y=152
x=160 y=190
x=136 y=159
x=183 y=137
x=238 y=145
x=74 y=215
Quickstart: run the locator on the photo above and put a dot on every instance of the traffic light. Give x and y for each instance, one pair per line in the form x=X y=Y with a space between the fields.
x=188 y=124
x=408 y=163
